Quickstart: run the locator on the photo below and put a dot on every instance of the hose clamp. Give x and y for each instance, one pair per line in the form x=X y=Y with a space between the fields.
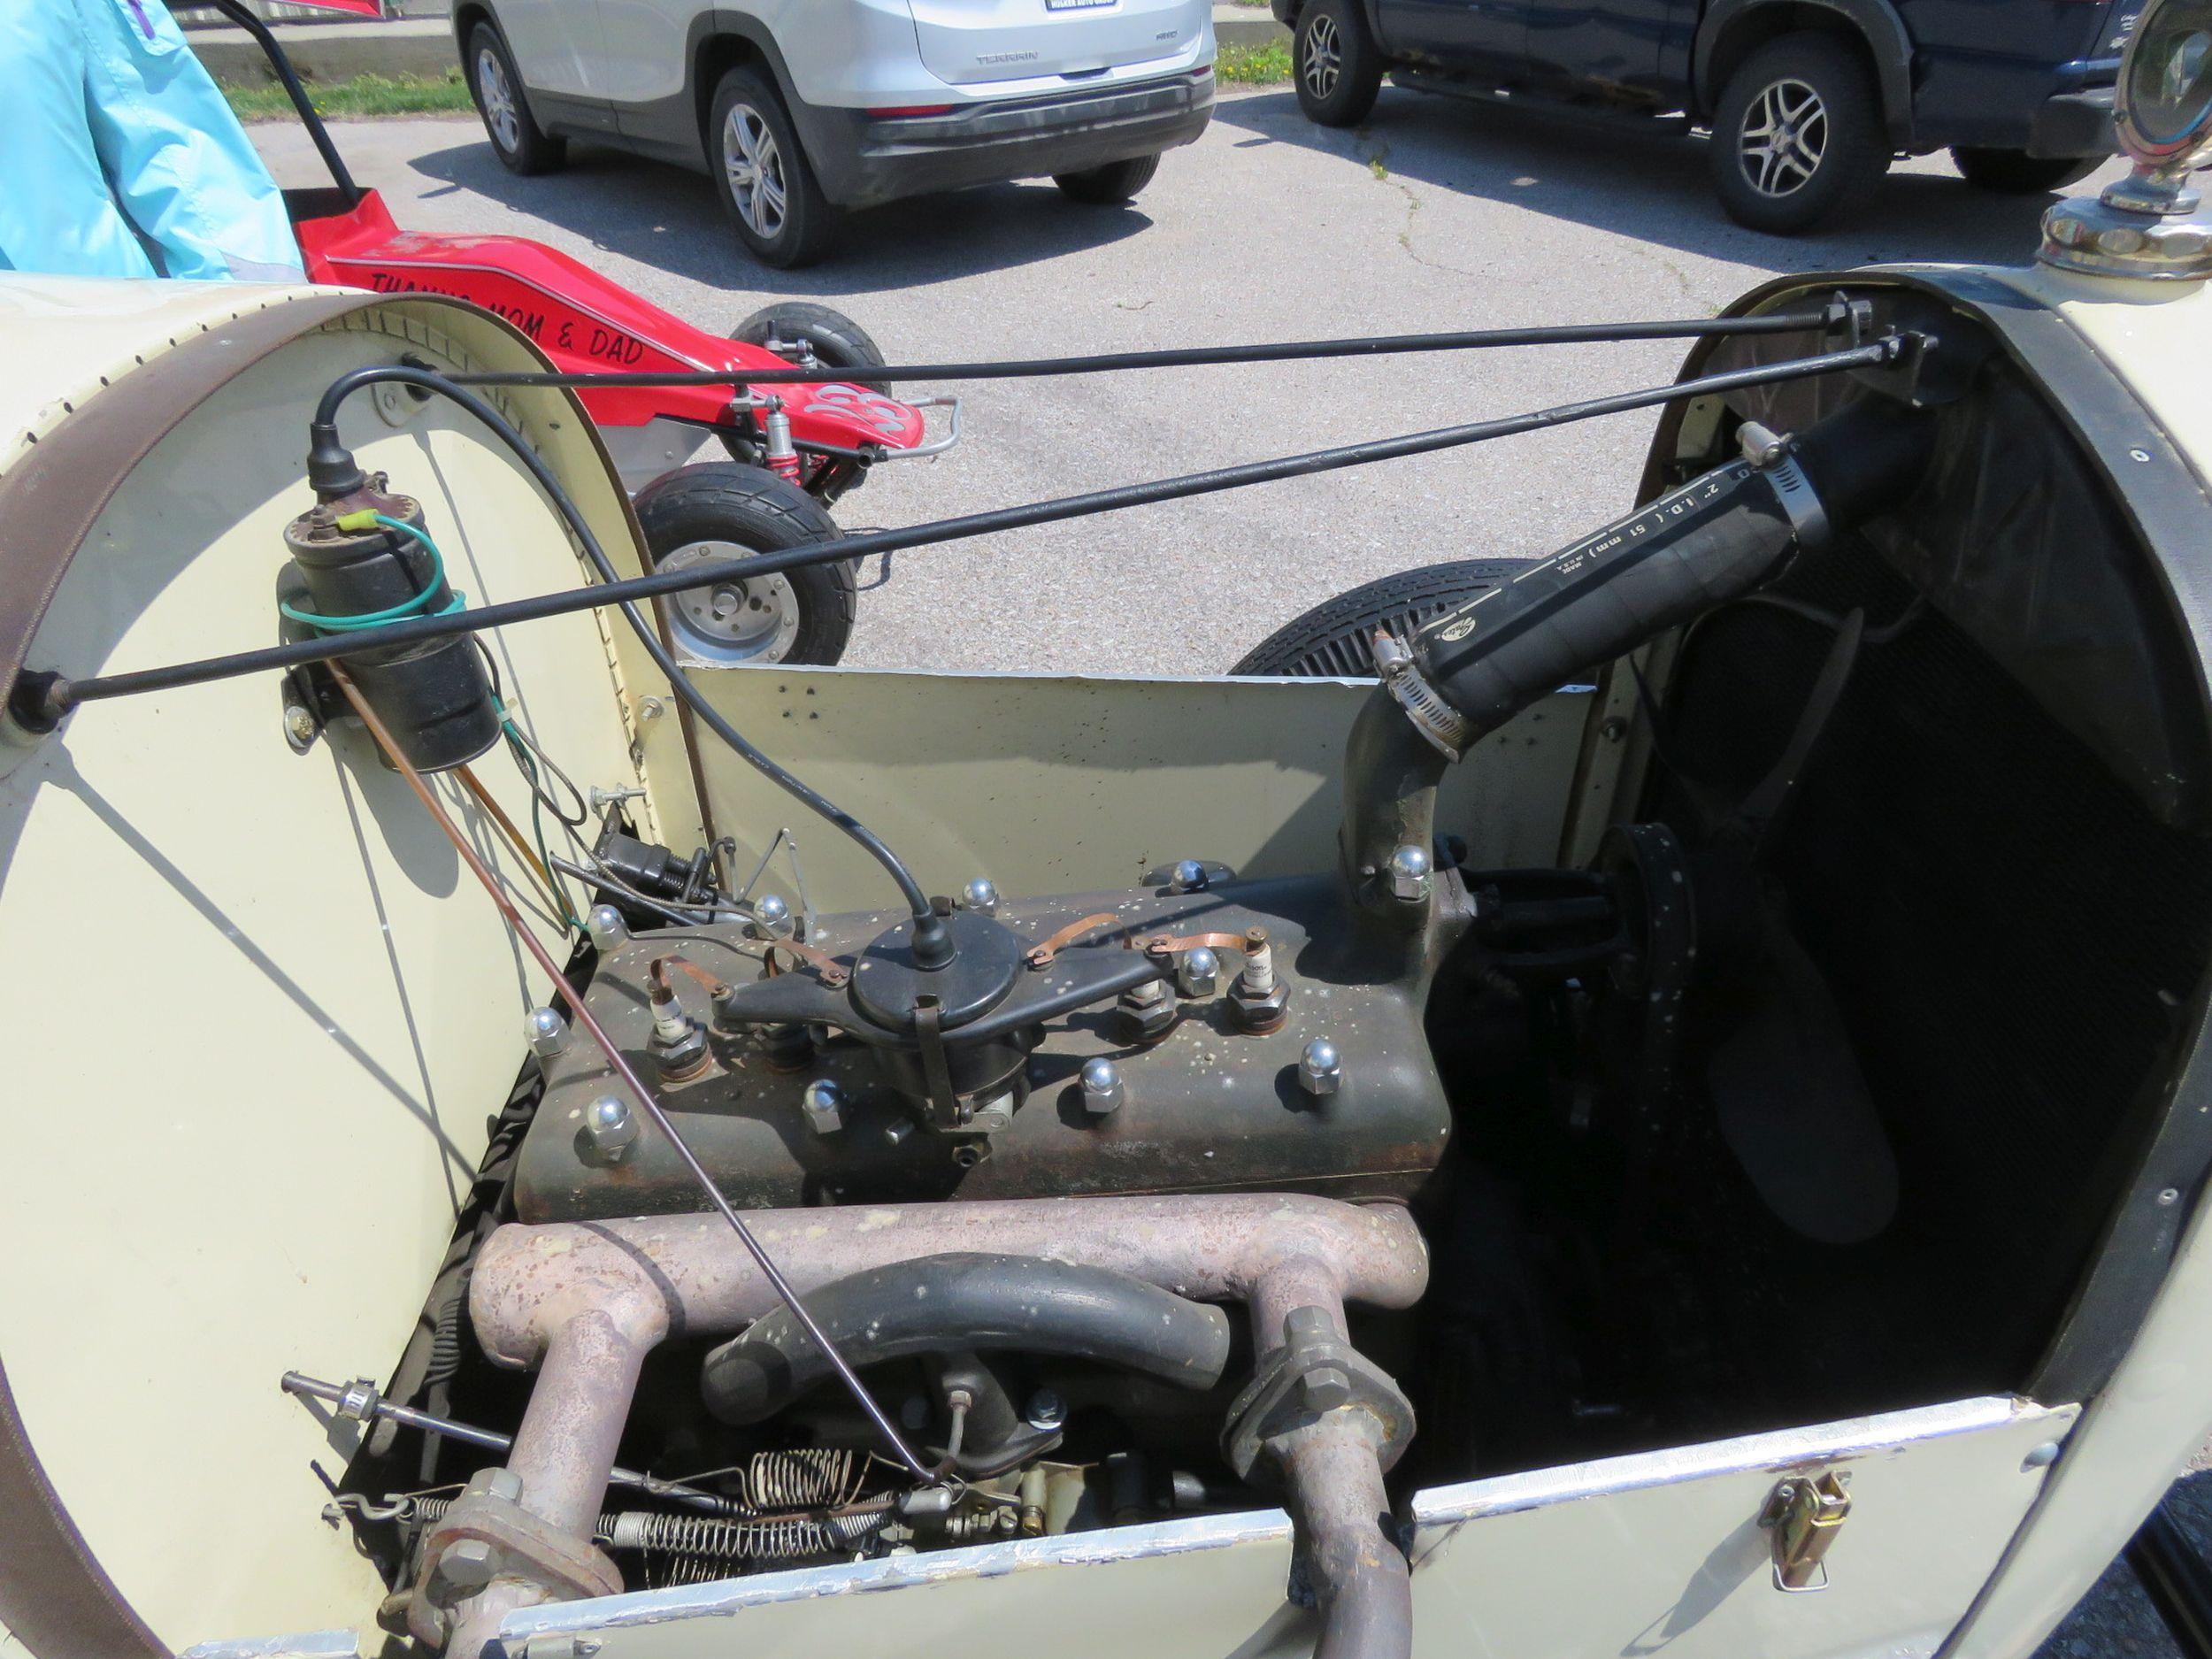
x=1775 y=459
x=1446 y=728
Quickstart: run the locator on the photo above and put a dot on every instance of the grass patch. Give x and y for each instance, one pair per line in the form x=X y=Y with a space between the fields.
x=1254 y=65
x=364 y=95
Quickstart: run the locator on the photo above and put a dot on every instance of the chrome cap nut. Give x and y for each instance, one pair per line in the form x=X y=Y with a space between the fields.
x=1188 y=876
x=1199 y=972
x=1320 y=1068
x=771 y=917
x=1103 y=1091
x=606 y=926
x=610 y=1127
x=1409 y=873
x=824 y=1103
x=547 y=1031
x=980 y=896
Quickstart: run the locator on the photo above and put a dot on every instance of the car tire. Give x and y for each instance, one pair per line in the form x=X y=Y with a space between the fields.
x=495 y=86
x=2015 y=172
x=835 y=340
x=1797 y=135
x=774 y=200
x=1333 y=640
x=1111 y=185
x=719 y=509
x=1335 y=63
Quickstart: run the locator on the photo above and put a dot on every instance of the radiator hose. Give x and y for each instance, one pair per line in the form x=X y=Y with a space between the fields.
x=1725 y=533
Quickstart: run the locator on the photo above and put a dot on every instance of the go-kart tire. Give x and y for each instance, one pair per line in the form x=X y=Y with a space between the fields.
x=1335 y=64
x=496 y=86
x=747 y=109
x=1839 y=127
x=1110 y=185
x=837 y=341
x=721 y=509
x=2015 y=172
x=1331 y=640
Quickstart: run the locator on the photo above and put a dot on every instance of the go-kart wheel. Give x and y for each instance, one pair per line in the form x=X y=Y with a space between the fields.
x=1333 y=639
x=799 y=328
x=833 y=340
x=519 y=142
x=720 y=510
x=775 y=203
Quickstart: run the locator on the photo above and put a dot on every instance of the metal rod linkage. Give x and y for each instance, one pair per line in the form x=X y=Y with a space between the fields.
x=1834 y=315
x=361 y=1402
x=43 y=700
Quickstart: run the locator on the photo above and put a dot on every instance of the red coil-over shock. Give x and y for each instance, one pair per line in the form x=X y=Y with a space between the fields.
x=781 y=453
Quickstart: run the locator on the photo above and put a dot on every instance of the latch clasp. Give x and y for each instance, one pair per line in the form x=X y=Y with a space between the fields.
x=1802 y=1516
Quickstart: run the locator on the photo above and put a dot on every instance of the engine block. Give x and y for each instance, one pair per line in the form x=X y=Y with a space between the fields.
x=1205 y=1104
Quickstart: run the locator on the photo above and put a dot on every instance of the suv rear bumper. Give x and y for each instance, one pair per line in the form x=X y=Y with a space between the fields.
x=2074 y=124
x=861 y=158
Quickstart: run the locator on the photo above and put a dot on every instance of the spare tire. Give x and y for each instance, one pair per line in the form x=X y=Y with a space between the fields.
x=1331 y=640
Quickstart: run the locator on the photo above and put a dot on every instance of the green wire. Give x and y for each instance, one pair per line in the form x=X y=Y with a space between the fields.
x=416 y=606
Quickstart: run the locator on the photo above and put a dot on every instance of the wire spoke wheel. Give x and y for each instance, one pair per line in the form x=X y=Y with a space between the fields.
x=1784 y=138
x=500 y=113
x=1325 y=57
x=752 y=620
x=754 y=165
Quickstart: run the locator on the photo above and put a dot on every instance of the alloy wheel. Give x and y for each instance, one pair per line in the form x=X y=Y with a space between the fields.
x=754 y=167
x=501 y=112
x=1325 y=57
x=754 y=620
x=1784 y=138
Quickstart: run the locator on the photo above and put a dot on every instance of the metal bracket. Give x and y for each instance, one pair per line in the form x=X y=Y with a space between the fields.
x=1315 y=1372
x=1802 y=1516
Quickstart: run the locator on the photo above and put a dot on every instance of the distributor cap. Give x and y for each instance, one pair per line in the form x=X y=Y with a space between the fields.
x=887 y=980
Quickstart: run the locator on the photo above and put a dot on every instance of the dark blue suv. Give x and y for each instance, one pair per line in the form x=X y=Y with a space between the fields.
x=1808 y=100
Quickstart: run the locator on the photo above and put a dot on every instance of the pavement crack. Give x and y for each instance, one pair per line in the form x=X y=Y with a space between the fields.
x=1378 y=159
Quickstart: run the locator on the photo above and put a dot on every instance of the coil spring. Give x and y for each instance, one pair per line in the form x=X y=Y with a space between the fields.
x=809 y=1477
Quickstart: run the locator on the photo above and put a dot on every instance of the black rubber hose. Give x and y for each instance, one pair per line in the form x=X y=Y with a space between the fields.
x=1716 y=537
x=331 y=469
x=949 y=1304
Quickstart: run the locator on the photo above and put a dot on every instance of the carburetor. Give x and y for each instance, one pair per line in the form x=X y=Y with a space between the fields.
x=1233 y=1037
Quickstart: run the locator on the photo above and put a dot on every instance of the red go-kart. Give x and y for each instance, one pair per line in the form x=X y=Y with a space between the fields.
x=791 y=449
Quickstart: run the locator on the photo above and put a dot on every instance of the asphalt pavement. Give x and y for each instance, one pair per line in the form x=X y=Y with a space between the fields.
x=1436 y=215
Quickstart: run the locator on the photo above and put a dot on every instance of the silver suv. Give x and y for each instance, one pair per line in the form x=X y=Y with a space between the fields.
x=802 y=109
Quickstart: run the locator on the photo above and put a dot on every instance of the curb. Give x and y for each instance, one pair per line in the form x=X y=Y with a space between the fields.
x=331 y=51
x=1248 y=26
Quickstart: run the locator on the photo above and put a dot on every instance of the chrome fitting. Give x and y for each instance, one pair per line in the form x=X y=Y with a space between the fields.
x=1320 y=1069
x=1410 y=873
x=824 y=1103
x=1199 y=972
x=980 y=896
x=1103 y=1092
x=772 y=919
x=606 y=927
x=1188 y=876
x=610 y=1127
x=547 y=1032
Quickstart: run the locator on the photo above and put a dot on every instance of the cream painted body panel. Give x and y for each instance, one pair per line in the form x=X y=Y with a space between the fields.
x=1051 y=784
x=248 y=995
x=1658 y=1551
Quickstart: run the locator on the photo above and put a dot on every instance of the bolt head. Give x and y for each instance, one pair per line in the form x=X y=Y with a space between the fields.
x=1189 y=876
x=468 y=1563
x=1200 y=971
x=606 y=926
x=824 y=1103
x=1409 y=873
x=1320 y=1068
x=300 y=724
x=980 y=896
x=1103 y=1091
x=610 y=1127
x=898 y=1131
x=547 y=1032
x=502 y=1484
x=1045 y=1411
x=1324 y=1388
